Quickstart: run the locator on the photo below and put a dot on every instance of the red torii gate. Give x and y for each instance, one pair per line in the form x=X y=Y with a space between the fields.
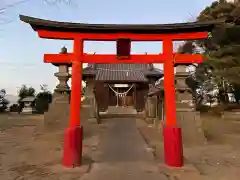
x=123 y=34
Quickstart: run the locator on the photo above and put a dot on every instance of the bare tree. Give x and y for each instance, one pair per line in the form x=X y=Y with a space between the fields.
x=5 y=19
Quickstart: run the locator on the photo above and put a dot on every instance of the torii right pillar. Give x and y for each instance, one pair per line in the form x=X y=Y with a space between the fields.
x=172 y=131
x=173 y=149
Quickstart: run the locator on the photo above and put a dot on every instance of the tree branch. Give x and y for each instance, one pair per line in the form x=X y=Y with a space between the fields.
x=3 y=8
x=13 y=5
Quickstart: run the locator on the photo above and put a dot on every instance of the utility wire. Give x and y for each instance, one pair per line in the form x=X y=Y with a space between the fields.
x=13 y=5
x=3 y=9
x=19 y=63
x=24 y=1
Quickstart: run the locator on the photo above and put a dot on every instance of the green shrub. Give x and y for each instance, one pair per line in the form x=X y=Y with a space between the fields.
x=42 y=102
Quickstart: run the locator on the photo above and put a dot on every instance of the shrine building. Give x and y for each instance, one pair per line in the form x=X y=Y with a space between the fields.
x=120 y=84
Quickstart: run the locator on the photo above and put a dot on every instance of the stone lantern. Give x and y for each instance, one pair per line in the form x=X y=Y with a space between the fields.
x=58 y=112
x=184 y=95
x=63 y=75
x=187 y=116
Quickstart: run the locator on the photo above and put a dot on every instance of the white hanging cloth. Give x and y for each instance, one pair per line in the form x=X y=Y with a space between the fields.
x=120 y=94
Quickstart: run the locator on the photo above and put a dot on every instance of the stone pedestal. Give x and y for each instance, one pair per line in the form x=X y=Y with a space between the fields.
x=58 y=113
x=187 y=117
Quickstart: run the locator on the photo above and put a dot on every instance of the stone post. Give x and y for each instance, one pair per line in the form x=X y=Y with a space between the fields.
x=187 y=117
x=160 y=109
x=91 y=101
x=58 y=112
x=152 y=106
x=151 y=109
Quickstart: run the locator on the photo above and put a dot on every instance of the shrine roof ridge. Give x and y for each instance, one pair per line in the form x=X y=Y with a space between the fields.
x=42 y=24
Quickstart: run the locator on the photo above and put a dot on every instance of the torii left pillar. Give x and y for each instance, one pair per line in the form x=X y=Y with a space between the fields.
x=72 y=154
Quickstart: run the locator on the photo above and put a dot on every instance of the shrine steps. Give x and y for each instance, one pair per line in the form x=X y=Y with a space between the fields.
x=119 y=112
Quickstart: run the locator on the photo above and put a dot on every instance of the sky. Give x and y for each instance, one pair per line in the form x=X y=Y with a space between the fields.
x=21 y=51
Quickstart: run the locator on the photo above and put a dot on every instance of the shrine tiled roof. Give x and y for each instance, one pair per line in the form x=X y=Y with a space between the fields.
x=121 y=72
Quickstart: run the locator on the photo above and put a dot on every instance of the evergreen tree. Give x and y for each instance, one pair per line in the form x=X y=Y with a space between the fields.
x=221 y=51
x=3 y=101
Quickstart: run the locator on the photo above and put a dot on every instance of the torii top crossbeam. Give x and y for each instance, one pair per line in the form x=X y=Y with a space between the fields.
x=79 y=32
x=105 y=32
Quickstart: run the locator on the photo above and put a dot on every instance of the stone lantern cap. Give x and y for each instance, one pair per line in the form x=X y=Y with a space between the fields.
x=63 y=51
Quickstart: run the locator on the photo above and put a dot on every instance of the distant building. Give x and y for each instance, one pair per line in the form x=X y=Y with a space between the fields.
x=29 y=105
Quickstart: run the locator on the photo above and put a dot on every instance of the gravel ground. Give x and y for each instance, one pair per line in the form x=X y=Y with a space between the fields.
x=27 y=154
x=215 y=160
